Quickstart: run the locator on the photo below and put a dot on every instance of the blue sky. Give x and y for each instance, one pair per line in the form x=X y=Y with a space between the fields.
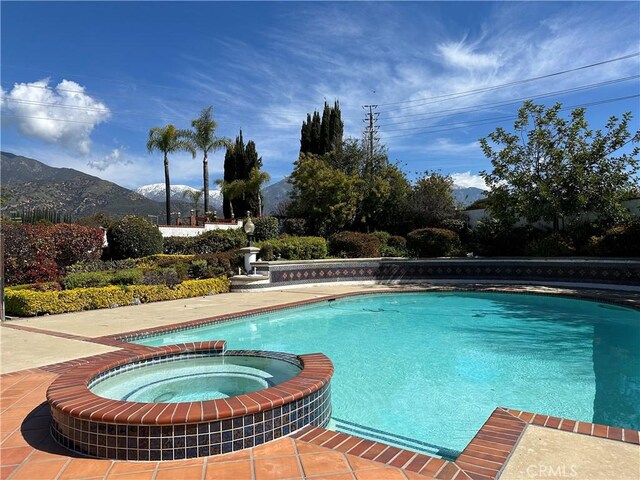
x=83 y=82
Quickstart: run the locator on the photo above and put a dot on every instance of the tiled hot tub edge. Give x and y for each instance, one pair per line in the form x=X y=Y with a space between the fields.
x=99 y=427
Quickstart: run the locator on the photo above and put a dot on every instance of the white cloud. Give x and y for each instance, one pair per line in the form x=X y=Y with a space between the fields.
x=116 y=157
x=64 y=115
x=467 y=179
x=461 y=55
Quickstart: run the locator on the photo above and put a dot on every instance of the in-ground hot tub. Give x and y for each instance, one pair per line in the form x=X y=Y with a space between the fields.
x=184 y=401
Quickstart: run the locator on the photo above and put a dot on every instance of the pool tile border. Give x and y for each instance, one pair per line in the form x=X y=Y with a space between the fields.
x=105 y=428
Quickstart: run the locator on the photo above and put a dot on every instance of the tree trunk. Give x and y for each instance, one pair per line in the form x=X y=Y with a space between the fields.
x=205 y=176
x=167 y=187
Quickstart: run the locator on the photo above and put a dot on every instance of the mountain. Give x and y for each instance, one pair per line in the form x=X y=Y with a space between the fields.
x=275 y=194
x=28 y=183
x=156 y=191
x=468 y=195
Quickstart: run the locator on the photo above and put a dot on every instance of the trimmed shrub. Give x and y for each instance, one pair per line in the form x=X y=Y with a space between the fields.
x=433 y=242
x=75 y=243
x=220 y=241
x=134 y=237
x=102 y=279
x=222 y=262
x=396 y=247
x=297 y=248
x=161 y=276
x=209 y=242
x=354 y=245
x=295 y=226
x=178 y=245
x=101 y=265
x=30 y=303
x=39 y=287
x=266 y=253
x=551 y=245
x=87 y=280
x=164 y=261
x=198 y=269
x=391 y=245
x=40 y=253
x=131 y=276
x=267 y=228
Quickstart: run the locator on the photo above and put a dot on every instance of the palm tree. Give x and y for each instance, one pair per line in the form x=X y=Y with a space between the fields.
x=254 y=185
x=167 y=140
x=203 y=138
x=246 y=188
x=194 y=196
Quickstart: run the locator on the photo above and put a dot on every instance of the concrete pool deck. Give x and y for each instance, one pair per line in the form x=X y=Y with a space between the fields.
x=30 y=347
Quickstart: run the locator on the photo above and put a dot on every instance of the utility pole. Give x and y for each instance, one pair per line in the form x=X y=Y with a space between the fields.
x=371 y=129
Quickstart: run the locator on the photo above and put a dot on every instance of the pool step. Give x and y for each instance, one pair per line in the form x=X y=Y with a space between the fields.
x=375 y=434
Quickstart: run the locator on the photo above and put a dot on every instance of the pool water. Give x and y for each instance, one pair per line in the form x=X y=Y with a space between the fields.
x=196 y=379
x=424 y=370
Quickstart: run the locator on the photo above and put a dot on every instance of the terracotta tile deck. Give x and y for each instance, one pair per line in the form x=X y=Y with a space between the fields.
x=28 y=451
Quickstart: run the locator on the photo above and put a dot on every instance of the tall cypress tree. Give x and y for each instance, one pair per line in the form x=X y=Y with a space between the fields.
x=238 y=163
x=320 y=135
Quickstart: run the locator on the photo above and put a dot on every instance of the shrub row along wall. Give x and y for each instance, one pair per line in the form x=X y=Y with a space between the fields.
x=621 y=272
x=29 y=303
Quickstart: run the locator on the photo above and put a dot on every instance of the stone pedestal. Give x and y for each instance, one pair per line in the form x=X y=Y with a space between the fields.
x=250 y=256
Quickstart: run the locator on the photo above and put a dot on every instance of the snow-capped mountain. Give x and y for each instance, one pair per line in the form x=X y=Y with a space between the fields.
x=155 y=191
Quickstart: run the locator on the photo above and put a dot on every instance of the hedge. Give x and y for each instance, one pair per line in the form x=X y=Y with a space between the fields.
x=267 y=228
x=208 y=242
x=41 y=253
x=354 y=245
x=30 y=303
x=433 y=242
x=297 y=248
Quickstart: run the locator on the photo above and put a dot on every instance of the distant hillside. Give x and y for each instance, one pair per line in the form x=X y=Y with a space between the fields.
x=275 y=194
x=467 y=196
x=28 y=183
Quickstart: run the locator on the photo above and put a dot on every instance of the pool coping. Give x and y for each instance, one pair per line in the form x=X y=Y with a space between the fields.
x=484 y=457
x=70 y=394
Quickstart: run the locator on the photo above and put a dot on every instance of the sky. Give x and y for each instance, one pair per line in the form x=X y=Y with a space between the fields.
x=83 y=82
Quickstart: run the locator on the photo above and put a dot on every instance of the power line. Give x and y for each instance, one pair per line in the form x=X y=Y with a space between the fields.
x=480 y=107
x=489 y=121
x=509 y=84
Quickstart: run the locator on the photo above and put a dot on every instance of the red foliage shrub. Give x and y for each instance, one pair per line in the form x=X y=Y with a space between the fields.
x=39 y=253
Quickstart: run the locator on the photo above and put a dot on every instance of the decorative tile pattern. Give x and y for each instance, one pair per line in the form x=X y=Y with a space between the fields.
x=104 y=428
x=621 y=272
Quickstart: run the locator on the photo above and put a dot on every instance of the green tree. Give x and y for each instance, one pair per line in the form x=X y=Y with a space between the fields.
x=552 y=168
x=376 y=198
x=326 y=197
x=431 y=200
x=203 y=138
x=246 y=191
x=239 y=163
x=320 y=135
x=194 y=196
x=167 y=140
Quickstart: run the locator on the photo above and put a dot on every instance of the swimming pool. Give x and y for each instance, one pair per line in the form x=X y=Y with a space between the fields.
x=425 y=370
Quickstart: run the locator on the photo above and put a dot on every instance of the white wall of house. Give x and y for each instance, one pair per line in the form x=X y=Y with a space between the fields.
x=189 y=231
x=478 y=214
